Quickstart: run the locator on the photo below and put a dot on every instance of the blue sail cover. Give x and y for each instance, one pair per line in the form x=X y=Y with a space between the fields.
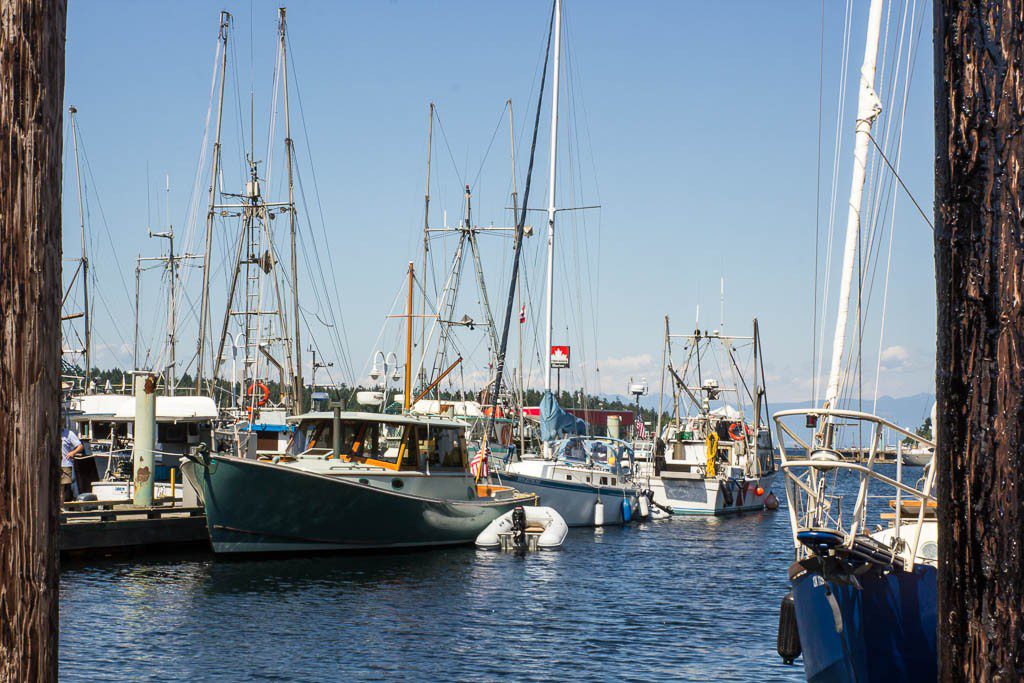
x=555 y=422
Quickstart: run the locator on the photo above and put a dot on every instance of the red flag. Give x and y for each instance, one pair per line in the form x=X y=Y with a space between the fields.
x=522 y=314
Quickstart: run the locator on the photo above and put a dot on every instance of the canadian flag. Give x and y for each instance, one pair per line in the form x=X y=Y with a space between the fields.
x=522 y=314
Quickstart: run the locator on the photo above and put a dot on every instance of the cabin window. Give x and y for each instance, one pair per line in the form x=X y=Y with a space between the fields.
x=103 y=430
x=441 y=446
x=604 y=481
x=172 y=432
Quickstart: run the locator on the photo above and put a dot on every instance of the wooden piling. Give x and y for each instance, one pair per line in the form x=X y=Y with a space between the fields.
x=979 y=265
x=31 y=122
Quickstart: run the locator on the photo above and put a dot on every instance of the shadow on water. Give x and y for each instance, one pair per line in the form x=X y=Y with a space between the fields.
x=680 y=599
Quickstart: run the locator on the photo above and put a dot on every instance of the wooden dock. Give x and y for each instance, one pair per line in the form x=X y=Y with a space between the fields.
x=103 y=526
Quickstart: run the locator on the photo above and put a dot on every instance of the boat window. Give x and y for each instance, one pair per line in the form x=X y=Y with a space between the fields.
x=441 y=446
x=170 y=432
x=599 y=452
x=102 y=430
x=574 y=450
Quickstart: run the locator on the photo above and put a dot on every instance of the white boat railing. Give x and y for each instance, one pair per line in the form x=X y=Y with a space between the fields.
x=814 y=502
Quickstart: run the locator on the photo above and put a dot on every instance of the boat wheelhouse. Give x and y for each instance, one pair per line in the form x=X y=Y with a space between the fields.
x=352 y=481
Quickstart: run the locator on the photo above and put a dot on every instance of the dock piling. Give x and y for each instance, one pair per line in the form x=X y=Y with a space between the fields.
x=145 y=437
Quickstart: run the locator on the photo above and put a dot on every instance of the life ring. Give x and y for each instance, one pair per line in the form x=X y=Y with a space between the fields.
x=505 y=434
x=736 y=431
x=264 y=392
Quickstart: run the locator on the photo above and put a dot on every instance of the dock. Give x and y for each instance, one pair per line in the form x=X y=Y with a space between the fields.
x=88 y=527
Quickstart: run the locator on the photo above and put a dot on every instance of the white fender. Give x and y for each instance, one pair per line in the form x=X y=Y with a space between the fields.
x=645 y=509
x=555 y=528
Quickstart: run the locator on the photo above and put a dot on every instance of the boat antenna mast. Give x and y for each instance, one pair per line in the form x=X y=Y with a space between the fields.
x=172 y=263
x=868 y=108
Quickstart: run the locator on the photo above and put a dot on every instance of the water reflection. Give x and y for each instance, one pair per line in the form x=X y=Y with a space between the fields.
x=680 y=599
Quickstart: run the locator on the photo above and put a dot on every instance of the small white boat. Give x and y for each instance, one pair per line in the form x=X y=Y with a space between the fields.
x=538 y=527
x=917 y=457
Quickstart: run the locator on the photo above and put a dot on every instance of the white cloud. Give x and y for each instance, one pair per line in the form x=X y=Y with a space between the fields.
x=896 y=359
x=617 y=371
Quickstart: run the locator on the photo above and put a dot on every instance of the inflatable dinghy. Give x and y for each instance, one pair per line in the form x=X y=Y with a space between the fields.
x=526 y=527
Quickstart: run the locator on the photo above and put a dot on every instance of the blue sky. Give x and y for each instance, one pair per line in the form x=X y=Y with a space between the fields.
x=694 y=125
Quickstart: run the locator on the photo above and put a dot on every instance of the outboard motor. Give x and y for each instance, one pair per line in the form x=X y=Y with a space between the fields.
x=519 y=528
x=788 y=643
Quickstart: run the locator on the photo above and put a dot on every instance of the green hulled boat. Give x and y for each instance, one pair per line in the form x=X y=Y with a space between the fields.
x=355 y=481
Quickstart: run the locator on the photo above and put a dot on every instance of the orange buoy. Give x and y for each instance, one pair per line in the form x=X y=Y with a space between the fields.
x=759 y=491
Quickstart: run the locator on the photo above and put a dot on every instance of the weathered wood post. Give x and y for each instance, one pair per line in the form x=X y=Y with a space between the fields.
x=31 y=122
x=979 y=264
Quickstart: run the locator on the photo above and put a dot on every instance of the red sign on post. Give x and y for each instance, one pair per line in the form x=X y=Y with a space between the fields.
x=559 y=357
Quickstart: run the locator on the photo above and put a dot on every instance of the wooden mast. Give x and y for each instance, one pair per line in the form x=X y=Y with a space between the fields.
x=31 y=121
x=979 y=270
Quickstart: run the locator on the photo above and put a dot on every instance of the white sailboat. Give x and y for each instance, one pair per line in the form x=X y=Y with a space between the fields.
x=863 y=604
x=587 y=480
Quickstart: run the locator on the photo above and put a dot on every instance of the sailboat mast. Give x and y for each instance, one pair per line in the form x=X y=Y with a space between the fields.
x=868 y=108
x=288 y=146
x=549 y=315
x=204 y=307
x=87 y=351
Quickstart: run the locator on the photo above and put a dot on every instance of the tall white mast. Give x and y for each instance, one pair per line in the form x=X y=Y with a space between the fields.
x=551 y=198
x=868 y=108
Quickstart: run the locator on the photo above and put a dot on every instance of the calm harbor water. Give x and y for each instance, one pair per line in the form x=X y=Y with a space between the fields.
x=690 y=599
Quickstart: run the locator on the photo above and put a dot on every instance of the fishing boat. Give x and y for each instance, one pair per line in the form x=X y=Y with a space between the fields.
x=354 y=481
x=863 y=603
x=714 y=461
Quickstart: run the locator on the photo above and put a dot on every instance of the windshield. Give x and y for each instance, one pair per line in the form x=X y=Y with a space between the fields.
x=599 y=452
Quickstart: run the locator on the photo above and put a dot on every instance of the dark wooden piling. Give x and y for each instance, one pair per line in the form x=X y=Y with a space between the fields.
x=979 y=263
x=31 y=121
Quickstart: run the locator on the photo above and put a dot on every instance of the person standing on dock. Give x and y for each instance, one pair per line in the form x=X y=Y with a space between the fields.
x=70 y=447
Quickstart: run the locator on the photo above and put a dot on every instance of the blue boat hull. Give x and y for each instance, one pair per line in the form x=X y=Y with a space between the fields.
x=882 y=630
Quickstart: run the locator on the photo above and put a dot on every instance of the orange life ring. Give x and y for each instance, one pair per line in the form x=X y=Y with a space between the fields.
x=264 y=392
x=736 y=431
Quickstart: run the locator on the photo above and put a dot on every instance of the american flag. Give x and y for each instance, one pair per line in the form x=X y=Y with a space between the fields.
x=478 y=465
x=639 y=428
